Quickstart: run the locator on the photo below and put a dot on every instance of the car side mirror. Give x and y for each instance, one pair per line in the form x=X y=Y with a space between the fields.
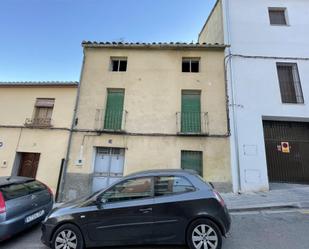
x=101 y=200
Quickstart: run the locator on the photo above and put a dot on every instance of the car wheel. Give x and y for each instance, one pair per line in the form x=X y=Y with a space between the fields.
x=204 y=234
x=68 y=236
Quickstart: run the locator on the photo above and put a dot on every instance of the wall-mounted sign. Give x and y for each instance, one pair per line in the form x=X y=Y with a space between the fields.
x=285 y=147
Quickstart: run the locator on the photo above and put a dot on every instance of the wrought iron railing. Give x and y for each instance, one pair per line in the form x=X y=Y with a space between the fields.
x=38 y=122
x=110 y=120
x=192 y=123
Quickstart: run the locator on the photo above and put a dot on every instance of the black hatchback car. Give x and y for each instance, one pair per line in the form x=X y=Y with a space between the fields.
x=152 y=207
x=23 y=203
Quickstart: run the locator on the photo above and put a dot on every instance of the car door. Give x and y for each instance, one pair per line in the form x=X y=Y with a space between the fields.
x=124 y=214
x=171 y=209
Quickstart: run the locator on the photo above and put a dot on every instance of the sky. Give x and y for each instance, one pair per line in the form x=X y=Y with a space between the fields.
x=40 y=40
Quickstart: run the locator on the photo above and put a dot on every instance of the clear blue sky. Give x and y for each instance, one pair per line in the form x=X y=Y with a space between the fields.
x=40 y=39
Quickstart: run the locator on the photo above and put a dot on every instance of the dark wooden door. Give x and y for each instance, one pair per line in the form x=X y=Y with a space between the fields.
x=29 y=164
x=287 y=146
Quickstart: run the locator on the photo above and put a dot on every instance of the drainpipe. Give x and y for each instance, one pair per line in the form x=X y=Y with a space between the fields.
x=65 y=166
x=233 y=103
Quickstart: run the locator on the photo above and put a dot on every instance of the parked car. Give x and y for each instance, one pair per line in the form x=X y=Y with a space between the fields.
x=152 y=207
x=23 y=203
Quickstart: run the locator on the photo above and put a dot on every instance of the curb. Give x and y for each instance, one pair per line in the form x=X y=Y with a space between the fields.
x=267 y=207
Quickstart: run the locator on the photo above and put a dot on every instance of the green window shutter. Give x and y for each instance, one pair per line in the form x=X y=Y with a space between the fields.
x=191 y=112
x=114 y=109
x=192 y=160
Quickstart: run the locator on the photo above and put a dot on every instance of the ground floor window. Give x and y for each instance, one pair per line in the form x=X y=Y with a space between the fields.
x=192 y=160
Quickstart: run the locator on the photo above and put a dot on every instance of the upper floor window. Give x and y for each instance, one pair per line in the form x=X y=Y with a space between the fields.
x=290 y=86
x=277 y=16
x=43 y=110
x=190 y=65
x=119 y=64
x=167 y=185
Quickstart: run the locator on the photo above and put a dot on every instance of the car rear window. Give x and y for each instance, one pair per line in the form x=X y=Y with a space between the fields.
x=17 y=190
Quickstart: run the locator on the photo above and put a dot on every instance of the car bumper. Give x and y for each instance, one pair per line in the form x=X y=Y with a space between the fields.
x=15 y=225
x=47 y=232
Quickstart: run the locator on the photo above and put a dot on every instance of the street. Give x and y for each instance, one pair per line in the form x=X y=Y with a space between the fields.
x=285 y=229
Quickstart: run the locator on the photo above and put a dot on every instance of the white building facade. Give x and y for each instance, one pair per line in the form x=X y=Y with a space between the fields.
x=267 y=75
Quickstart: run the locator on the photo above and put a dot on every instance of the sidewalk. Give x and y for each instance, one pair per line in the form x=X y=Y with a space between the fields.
x=281 y=196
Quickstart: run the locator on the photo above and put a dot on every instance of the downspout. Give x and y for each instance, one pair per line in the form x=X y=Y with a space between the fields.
x=228 y=66
x=65 y=167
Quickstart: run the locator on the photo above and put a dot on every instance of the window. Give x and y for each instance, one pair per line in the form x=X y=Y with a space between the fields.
x=290 y=86
x=190 y=65
x=167 y=185
x=277 y=16
x=119 y=64
x=114 y=109
x=43 y=111
x=192 y=160
x=191 y=111
x=129 y=190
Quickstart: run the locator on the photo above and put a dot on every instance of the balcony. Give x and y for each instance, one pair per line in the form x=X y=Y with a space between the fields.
x=38 y=122
x=111 y=120
x=192 y=123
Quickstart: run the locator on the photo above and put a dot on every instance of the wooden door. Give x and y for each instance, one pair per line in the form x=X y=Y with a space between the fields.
x=29 y=164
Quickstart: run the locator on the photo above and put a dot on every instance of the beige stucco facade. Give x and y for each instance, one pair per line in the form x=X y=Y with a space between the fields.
x=153 y=83
x=212 y=31
x=17 y=104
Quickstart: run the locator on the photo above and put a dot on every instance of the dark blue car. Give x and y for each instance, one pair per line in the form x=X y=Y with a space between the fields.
x=23 y=203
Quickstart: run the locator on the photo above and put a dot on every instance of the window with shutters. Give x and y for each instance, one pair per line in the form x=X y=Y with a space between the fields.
x=289 y=81
x=191 y=111
x=43 y=111
x=277 y=16
x=119 y=64
x=114 y=110
x=192 y=160
x=190 y=65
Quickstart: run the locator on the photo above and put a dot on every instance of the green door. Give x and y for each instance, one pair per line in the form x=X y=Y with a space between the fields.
x=192 y=160
x=191 y=112
x=114 y=109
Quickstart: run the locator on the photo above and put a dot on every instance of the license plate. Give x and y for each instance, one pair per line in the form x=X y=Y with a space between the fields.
x=34 y=216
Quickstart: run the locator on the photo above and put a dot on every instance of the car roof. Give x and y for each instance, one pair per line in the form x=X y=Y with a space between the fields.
x=158 y=172
x=7 y=180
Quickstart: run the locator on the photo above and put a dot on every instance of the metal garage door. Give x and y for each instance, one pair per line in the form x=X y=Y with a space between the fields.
x=108 y=167
x=287 y=151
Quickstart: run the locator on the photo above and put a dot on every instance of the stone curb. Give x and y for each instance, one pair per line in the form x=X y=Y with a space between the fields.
x=274 y=206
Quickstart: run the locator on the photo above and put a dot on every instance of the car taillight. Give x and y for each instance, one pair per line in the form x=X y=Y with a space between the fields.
x=2 y=204
x=219 y=198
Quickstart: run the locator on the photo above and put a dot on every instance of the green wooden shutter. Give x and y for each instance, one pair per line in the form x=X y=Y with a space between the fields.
x=192 y=160
x=191 y=112
x=114 y=109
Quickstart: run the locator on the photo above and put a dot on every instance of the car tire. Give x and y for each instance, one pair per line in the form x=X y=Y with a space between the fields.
x=202 y=234
x=69 y=235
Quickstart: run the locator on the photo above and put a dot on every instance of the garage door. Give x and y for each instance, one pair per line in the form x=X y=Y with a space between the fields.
x=287 y=151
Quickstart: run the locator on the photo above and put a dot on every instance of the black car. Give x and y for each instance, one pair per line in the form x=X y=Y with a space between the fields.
x=23 y=203
x=152 y=207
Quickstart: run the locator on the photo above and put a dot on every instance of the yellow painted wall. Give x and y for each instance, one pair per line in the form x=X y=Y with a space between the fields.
x=153 y=84
x=17 y=104
x=212 y=31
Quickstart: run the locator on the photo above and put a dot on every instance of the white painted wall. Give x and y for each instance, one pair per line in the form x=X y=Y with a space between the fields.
x=255 y=82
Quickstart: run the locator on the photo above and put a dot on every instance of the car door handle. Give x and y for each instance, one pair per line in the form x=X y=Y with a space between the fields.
x=145 y=210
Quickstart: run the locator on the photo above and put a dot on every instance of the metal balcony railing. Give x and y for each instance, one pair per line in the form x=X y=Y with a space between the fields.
x=110 y=120
x=38 y=122
x=192 y=123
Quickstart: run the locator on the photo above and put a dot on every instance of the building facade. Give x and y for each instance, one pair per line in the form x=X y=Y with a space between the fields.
x=148 y=106
x=267 y=67
x=35 y=122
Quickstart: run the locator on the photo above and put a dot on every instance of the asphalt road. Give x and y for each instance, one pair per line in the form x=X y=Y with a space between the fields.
x=252 y=230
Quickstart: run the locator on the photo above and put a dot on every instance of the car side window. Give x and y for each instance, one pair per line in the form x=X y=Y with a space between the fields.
x=167 y=185
x=129 y=190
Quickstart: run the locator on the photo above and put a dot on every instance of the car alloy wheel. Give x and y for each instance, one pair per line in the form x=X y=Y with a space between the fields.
x=204 y=237
x=66 y=240
x=68 y=236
